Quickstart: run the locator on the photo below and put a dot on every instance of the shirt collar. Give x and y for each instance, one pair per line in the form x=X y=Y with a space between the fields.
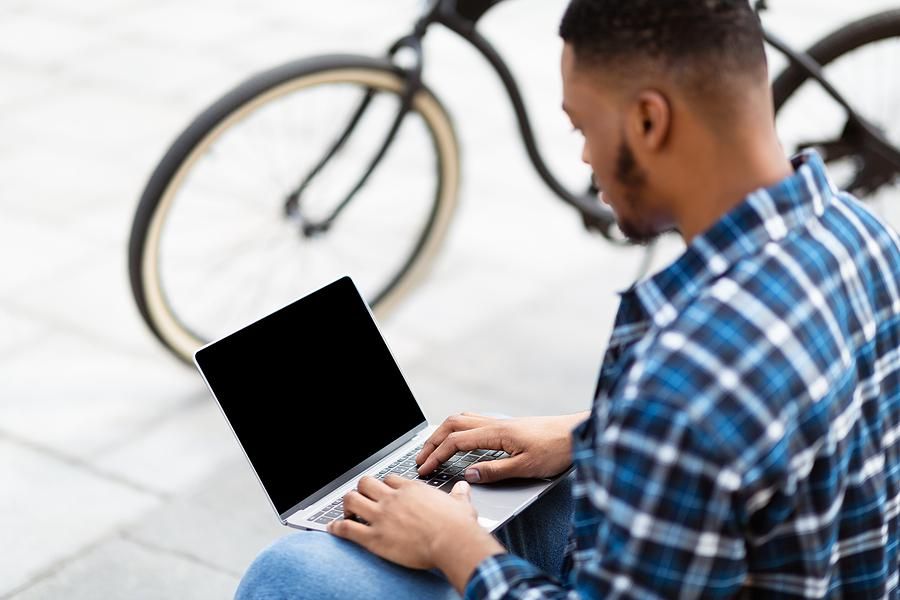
x=765 y=215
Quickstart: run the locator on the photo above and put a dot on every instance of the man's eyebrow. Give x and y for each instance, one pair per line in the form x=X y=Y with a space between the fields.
x=565 y=108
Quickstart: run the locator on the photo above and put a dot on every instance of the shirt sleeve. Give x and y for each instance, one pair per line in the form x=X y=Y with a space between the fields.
x=654 y=513
x=508 y=576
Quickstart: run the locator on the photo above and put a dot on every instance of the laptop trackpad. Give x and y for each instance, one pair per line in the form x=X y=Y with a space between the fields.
x=497 y=501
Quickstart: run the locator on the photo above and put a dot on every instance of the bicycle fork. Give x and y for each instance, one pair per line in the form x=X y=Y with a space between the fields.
x=292 y=206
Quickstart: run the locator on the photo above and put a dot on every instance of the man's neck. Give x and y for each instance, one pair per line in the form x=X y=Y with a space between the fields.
x=733 y=174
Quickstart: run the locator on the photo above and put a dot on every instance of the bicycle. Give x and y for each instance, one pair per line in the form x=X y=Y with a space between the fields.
x=389 y=122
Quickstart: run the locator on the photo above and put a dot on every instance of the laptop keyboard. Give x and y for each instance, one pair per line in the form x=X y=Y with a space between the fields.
x=443 y=477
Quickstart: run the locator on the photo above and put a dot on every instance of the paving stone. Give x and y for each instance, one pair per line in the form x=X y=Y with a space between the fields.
x=100 y=118
x=226 y=519
x=21 y=85
x=79 y=398
x=185 y=24
x=175 y=453
x=56 y=182
x=18 y=332
x=158 y=72
x=110 y=318
x=81 y=13
x=543 y=357
x=124 y=569
x=109 y=223
x=32 y=252
x=43 y=41
x=441 y=393
x=51 y=510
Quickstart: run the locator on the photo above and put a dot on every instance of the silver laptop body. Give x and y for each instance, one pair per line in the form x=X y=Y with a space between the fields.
x=317 y=401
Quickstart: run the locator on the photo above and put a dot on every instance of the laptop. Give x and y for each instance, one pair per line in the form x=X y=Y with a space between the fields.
x=317 y=401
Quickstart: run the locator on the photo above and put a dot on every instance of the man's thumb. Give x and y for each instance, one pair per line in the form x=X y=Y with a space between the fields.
x=488 y=472
x=462 y=490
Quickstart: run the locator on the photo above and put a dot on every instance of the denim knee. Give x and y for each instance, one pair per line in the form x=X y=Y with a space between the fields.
x=286 y=564
x=317 y=565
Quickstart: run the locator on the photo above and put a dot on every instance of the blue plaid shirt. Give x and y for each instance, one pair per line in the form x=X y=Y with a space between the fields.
x=745 y=434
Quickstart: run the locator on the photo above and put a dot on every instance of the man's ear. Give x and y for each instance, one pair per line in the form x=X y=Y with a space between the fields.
x=650 y=120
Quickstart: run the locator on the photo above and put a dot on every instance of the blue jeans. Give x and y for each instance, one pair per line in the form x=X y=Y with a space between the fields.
x=311 y=564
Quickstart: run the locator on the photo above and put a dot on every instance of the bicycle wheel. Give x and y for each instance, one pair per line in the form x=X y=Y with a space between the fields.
x=862 y=60
x=216 y=242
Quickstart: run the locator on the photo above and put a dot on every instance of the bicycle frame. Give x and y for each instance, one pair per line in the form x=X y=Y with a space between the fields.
x=461 y=16
x=859 y=133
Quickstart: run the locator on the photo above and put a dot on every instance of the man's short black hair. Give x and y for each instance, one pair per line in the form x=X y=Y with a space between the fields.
x=703 y=36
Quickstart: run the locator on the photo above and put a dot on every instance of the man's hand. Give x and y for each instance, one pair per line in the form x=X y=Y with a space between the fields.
x=416 y=526
x=538 y=446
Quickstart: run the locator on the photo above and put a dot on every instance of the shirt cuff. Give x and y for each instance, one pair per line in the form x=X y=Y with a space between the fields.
x=494 y=576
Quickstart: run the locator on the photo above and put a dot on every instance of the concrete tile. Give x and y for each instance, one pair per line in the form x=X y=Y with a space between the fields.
x=99 y=119
x=226 y=519
x=441 y=393
x=477 y=279
x=48 y=182
x=109 y=221
x=50 y=510
x=500 y=251
x=15 y=7
x=285 y=33
x=185 y=24
x=21 y=85
x=42 y=41
x=177 y=452
x=541 y=359
x=30 y=252
x=82 y=13
x=124 y=569
x=288 y=39
x=98 y=304
x=18 y=331
x=405 y=347
x=157 y=72
x=444 y=308
x=80 y=398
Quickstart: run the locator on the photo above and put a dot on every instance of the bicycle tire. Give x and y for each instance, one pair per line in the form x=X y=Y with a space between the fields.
x=852 y=37
x=159 y=193
x=880 y=26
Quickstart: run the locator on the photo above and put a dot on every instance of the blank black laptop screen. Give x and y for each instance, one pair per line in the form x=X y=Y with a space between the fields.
x=311 y=391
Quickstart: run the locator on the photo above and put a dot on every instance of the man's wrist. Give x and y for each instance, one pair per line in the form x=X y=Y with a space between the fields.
x=573 y=422
x=458 y=554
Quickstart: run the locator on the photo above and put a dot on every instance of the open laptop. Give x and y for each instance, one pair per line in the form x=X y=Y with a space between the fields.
x=317 y=401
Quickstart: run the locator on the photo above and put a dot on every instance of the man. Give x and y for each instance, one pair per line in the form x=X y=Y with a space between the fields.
x=745 y=434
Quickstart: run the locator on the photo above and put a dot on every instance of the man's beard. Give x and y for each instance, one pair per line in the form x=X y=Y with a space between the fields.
x=632 y=179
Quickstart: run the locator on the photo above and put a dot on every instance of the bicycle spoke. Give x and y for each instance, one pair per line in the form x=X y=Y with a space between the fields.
x=228 y=250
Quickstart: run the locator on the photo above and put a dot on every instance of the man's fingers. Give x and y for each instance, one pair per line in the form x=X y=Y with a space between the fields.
x=351 y=530
x=496 y=470
x=483 y=437
x=450 y=425
x=357 y=504
x=372 y=488
x=427 y=448
x=395 y=481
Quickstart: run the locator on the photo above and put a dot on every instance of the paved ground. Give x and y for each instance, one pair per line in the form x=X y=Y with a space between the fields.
x=119 y=478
